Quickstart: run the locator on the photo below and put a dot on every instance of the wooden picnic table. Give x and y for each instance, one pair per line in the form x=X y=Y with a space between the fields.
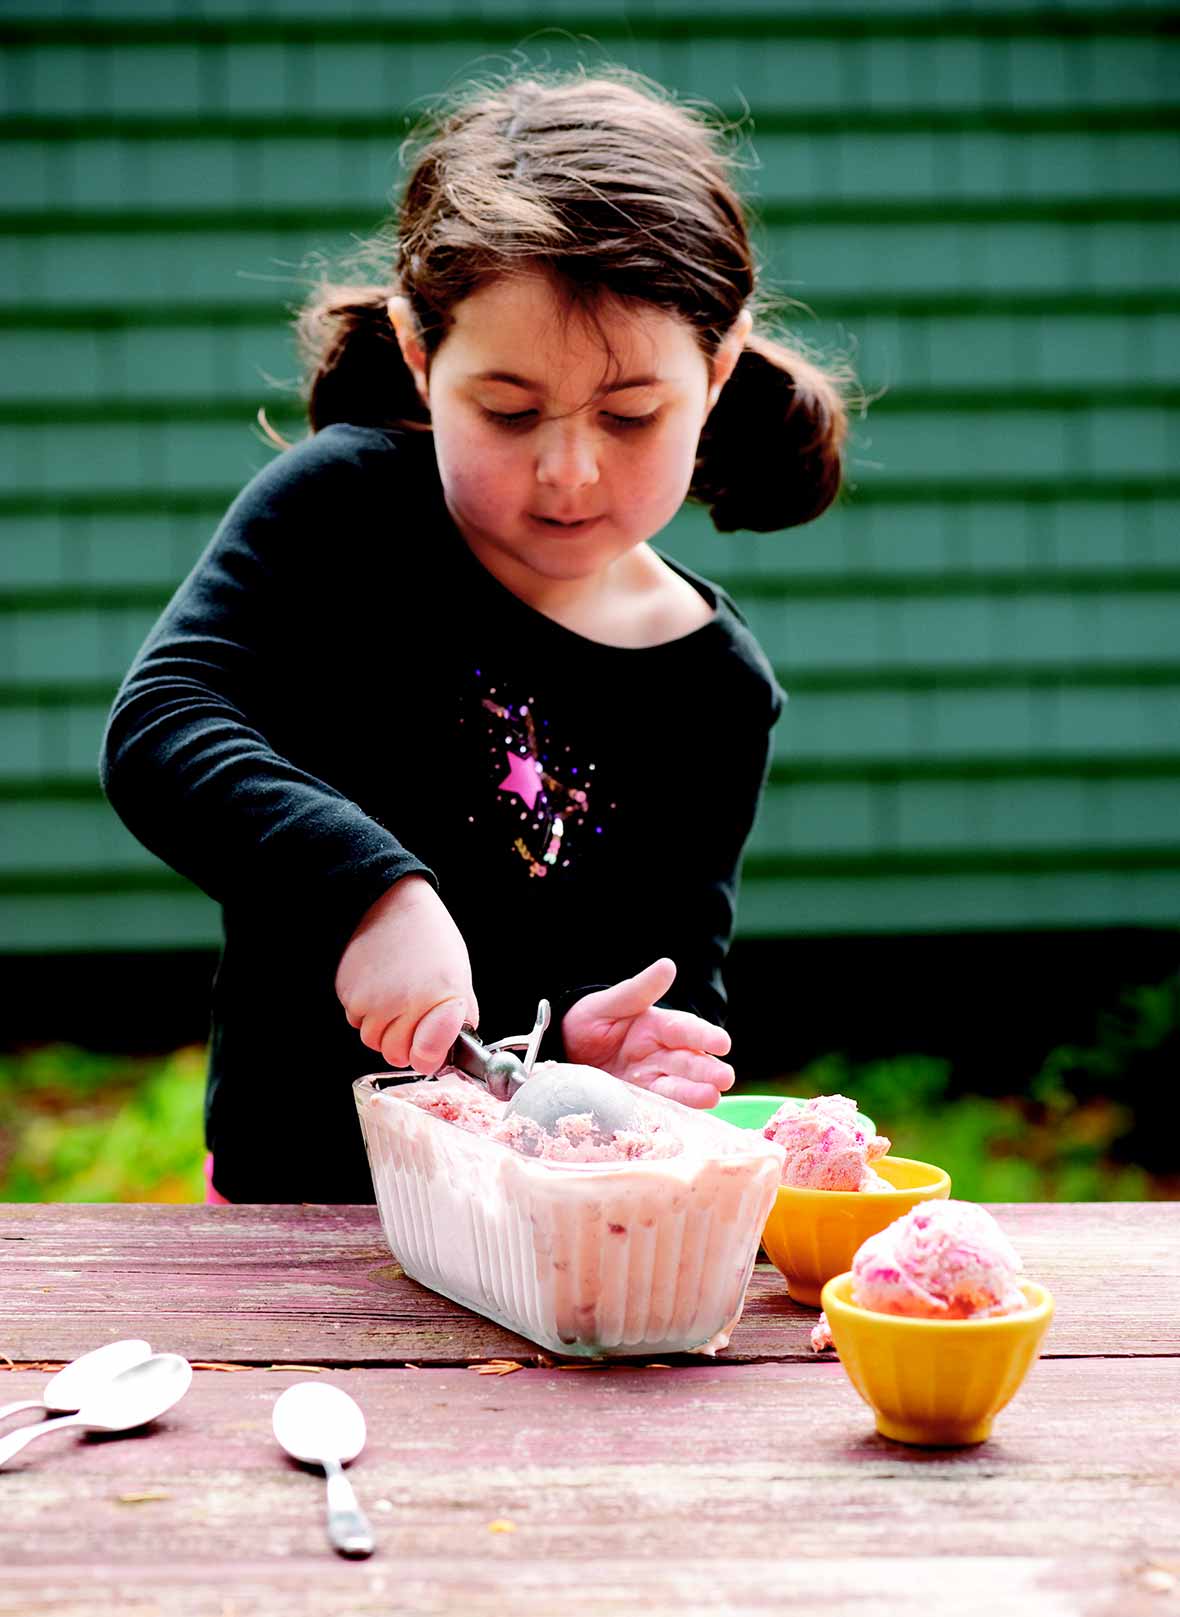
x=753 y=1482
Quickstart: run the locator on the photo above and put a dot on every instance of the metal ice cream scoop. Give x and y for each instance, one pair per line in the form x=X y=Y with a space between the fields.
x=550 y=1095
x=571 y=1091
x=493 y=1065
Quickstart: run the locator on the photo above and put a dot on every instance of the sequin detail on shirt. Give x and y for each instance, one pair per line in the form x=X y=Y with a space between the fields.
x=535 y=779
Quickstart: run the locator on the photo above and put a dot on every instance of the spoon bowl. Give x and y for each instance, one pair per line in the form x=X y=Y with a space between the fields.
x=69 y=1389
x=138 y=1394
x=319 y=1424
x=314 y=1421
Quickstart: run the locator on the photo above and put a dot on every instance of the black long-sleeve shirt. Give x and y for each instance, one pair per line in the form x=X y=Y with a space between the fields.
x=340 y=695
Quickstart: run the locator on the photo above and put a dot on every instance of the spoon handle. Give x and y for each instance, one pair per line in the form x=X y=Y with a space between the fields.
x=15 y=1441
x=348 y=1527
x=29 y=1403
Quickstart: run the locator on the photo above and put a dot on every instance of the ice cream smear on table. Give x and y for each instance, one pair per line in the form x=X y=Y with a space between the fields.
x=827 y=1147
x=945 y=1260
x=572 y=1138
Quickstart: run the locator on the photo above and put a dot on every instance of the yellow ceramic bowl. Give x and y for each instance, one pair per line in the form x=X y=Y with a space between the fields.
x=812 y=1235
x=939 y=1382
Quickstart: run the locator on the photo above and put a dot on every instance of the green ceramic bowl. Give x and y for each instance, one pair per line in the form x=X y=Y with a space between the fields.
x=755 y=1111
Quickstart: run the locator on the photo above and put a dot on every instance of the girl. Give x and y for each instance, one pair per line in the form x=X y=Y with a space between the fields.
x=430 y=717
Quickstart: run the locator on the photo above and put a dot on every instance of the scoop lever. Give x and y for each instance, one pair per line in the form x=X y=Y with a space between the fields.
x=491 y=1064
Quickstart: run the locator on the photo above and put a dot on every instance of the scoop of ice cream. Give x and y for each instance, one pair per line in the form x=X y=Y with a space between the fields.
x=827 y=1148
x=942 y=1260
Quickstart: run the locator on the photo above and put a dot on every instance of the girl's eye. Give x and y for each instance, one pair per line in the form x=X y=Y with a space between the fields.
x=523 y=418
x=506 y=419
x=632 y=420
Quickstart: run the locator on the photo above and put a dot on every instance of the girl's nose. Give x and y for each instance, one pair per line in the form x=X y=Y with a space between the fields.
x=566 y=456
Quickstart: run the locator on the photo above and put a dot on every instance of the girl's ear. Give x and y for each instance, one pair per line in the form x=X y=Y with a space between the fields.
x=728 y=355
x=405 y=327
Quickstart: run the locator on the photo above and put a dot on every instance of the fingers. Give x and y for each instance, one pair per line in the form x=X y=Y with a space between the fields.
x=374 y=1028
x=395 y=1041
x=637 y=994
x=420 y=1043
x=684 y=1090
x=435 y=1033
x=681 y=1030
x=700 y=1069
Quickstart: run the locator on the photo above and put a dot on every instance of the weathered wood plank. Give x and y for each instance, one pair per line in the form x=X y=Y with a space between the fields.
x=271 y=1284
x=1089 y=1585
x=707 y=1489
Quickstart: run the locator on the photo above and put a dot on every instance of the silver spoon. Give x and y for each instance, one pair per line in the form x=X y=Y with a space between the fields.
x=138 y=1394
x=69 y=1388
x=319 y=1424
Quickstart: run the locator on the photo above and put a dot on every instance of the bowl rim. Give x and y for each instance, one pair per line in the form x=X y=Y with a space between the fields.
x=1039 y=1297
x=778 y=1100
x=884 y=1197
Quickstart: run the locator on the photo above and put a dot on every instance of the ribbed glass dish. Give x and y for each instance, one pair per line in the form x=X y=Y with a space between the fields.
x=595 y=1259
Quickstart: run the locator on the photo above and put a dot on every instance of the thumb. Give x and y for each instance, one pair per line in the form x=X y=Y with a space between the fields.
x=639 y=993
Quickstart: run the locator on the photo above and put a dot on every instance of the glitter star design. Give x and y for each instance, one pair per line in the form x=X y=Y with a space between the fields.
x=524 y=778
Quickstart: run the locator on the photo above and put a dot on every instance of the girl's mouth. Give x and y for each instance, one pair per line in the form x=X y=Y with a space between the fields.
x=577 y=525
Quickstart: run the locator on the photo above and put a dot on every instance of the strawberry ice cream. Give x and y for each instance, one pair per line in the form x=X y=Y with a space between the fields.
x=826 y=1147
x=942 y=1260
x=573 y=1138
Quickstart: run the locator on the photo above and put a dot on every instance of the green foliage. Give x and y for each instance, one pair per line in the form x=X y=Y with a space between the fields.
x=1094 y=1123
x=1090 y=1125
x=75 y=1126
x=994 y=1150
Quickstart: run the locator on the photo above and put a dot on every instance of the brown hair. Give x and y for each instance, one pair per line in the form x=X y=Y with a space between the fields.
x=617 y=191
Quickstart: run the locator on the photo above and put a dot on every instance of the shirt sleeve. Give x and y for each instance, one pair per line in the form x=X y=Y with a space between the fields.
x=190 y=761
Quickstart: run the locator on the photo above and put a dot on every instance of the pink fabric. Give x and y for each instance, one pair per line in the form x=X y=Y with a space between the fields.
x=211 y=1196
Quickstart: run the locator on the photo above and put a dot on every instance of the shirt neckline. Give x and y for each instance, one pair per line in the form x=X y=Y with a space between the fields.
x=508 y=600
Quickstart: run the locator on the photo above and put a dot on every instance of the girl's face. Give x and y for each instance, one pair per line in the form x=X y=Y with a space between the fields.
x=562 y=443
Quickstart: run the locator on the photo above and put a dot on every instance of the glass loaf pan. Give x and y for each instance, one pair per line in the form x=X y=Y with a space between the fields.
x=591 y=1259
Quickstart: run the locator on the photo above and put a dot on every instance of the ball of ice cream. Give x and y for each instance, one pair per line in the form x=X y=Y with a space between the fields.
x=827 y=1147
x=942 y=1260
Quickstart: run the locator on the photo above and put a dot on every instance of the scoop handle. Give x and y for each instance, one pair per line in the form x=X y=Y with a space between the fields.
x=15 y=1441
x=348 y=1527
x=500 y=1073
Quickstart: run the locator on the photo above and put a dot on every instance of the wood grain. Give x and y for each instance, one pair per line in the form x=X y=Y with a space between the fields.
x=274 y=1284
x=707 y=1489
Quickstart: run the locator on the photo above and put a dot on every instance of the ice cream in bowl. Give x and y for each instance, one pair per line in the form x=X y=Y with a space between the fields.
x=936 y=1324
x=839 y=1186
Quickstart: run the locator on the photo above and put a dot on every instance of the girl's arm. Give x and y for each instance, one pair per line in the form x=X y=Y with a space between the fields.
x=190 y=759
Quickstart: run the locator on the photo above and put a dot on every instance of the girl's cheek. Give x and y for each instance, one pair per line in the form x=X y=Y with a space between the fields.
x=467 y=461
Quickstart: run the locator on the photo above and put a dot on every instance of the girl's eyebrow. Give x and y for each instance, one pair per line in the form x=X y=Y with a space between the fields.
x=535 y=387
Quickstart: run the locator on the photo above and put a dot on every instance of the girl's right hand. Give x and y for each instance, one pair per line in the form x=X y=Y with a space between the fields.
x=405 y=978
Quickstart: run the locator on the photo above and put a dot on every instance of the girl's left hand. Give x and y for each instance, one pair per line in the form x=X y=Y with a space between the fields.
x=624 y=1032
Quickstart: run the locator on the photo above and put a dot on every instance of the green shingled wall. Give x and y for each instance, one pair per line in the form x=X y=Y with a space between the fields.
x=982 y=644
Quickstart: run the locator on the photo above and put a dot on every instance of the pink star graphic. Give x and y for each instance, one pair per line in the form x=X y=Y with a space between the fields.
x=524 y=778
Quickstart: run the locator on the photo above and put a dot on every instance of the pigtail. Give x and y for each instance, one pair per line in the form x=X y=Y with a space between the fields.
x=353 y=368
x=771 y=454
